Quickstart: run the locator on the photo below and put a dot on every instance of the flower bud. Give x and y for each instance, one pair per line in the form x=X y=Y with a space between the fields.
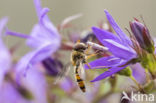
x=141 y=33
x=125 y=72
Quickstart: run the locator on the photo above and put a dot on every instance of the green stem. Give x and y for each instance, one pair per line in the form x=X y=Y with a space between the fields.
x=147 y=76
x=139 y=86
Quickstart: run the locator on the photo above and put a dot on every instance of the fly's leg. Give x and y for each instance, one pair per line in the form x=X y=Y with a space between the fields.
x=93 y=54
x=90 y=56
x=88 y=49
x=85 y=62
x=94 y=67
x=88 y=65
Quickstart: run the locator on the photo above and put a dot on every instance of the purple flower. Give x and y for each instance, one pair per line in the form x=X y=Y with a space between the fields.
x=139 y=73
x=7 y=92
x=52 y=66
x=36 y=78
x=10 y=95
x=8 y=89
x=5 y=60
x=44 y=39
x=119 y=45
x=27 y=91
x=67 y=85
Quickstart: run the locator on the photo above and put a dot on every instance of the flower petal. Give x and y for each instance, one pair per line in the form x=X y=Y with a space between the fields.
x=52 y=66
x=40 y=36
x=5 y=57
x=44 y=31
x=9 y=94
x=9 y=32
x=3 y=23
x=34 y=57
x=49 y=27
x=46 y=23
x=38 y=7
x=117 y=29
x=67 y=84
x=43 y=14
x=103 y=34
x=108 y=73
x=36 y=77
x=139 y=73
x=104 y=62
x=119 y=50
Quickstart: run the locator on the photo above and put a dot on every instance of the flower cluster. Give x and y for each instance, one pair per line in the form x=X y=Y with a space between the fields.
x=126 y=52
x=119 y=45
x=44 y=39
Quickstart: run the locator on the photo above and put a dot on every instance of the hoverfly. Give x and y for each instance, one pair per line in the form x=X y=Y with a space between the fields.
x=79 y=56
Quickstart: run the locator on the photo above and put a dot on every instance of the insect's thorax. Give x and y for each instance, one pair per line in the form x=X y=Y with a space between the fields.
x=78 y=57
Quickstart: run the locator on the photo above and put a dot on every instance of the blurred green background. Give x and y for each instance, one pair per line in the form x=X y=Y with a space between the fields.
x=22 y=15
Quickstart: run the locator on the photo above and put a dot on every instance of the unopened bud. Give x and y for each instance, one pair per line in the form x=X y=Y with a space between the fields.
x=126 y=72
x=142 y=35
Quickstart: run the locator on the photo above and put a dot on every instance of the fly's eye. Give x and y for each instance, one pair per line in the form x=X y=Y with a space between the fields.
x=80 y=47
x=84 y=48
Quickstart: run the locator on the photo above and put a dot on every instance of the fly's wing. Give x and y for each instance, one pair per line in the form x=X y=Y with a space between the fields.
x=64 y=72
x=82 y=71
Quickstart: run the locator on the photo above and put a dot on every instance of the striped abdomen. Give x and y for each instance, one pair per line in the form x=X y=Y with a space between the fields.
x=79 y=80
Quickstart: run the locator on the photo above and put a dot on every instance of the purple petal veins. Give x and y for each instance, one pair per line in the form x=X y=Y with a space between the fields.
x=114 y=44
x=121 y=34
x=108 y=73
x=103 y=34
x=119 y=45
x=119 y=50
x=104 y=62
